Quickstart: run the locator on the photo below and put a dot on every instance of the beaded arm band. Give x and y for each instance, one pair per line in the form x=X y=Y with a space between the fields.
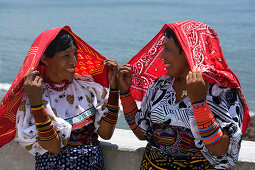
x=42 y=120
x=112 y=115
x=37 y=107
x=113 y=107
x=40 y=114
x=47 y=134
x=130 y=109
x=206 y=123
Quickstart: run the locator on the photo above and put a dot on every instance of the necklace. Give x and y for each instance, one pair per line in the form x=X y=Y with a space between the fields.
x=184 y=93
x=57 y=86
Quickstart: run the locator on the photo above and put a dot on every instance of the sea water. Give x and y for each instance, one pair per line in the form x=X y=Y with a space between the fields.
x=118 y=29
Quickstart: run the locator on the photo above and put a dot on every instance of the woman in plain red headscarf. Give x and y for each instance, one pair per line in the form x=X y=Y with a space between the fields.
x=57 y=104
x=194 y=114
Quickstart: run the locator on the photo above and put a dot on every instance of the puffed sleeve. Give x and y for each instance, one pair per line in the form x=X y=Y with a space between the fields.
x=228 y=112
x=100 y=103
x=27 y=134
x=98 y=97
x=143 y=115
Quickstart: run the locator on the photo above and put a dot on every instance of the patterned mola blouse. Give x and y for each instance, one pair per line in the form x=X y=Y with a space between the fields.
x=171 y=126
x=75 y=112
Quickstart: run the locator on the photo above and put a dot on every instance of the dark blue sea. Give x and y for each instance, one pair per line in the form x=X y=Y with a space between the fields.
x=119 y=29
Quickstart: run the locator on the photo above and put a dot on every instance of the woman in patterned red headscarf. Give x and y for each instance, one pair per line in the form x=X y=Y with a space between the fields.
x=194 y=114
x=59 y=106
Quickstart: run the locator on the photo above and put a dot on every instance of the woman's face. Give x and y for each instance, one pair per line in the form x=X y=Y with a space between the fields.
x=176 y=63
x=62 y=65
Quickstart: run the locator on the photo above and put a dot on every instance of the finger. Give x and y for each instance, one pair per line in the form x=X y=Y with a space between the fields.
x=189 y=77
x=110 y=61
x=125 y=67
x=112 y=65
x=115 y=72
x=31 y=75
x=199 y=74
x=125 y=73
x=194 y=73
x=36 y=79
x=40 y=81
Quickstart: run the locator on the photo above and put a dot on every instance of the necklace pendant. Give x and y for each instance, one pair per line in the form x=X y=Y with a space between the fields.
x=184 y=93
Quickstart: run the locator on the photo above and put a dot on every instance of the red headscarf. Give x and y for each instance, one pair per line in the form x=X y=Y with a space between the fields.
x=90 y=63
x=201 y=46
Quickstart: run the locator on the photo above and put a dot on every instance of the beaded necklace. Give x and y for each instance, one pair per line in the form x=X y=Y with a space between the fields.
x=57 y=86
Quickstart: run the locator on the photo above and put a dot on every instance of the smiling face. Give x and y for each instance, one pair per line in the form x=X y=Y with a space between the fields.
x=62 y=65
x=176 y=63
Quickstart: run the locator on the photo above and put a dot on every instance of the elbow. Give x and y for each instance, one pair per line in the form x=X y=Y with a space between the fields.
x=220 y=148
x=221 y=152
x=106 y=136
x=52 y=146
x=217 y=150
x=140 y=136
x=55 y=151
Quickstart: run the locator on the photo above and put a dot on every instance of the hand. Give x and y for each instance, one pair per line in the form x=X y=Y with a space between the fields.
x=196 y=86
x=112 y=72
x=33 y=87
x=124 y=78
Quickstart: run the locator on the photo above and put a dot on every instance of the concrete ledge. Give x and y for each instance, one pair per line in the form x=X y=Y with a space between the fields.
x=124 y=151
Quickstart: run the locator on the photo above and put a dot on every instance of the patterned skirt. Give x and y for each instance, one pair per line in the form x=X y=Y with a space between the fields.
x=89 y=157
x=155 y=159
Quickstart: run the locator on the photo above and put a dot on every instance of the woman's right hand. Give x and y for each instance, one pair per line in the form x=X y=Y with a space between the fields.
x=33 y=87
x=124 y=78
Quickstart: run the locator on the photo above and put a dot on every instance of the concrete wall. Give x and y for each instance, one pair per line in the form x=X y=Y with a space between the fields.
x=124 y=151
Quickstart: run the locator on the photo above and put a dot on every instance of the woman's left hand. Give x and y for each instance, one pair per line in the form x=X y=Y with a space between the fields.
x=112 y=72
x=196 y=86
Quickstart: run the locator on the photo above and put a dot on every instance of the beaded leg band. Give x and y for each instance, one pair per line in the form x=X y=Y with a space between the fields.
x=130 y=109
x=206 y=123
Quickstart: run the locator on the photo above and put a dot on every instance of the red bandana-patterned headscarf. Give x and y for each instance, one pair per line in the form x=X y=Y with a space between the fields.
x=201 y=46
x=90 y=63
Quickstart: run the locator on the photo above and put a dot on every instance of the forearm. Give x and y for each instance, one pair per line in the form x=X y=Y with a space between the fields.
x=108 y=123
x=130 y=109
x=216 y=139
x=48 y=138
x=221 y=147
x=106 y=129
x=52 y=145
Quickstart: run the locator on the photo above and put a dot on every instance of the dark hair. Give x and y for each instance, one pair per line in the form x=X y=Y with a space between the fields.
x=170 y=34
x=62 y=41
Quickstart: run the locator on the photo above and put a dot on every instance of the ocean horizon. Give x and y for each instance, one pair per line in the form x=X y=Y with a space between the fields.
x=119 y=29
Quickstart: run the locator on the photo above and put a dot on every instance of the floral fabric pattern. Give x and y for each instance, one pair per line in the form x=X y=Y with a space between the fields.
x=65 y=106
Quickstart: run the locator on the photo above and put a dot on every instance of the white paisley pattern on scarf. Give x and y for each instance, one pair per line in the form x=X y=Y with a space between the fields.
x=159 y=106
